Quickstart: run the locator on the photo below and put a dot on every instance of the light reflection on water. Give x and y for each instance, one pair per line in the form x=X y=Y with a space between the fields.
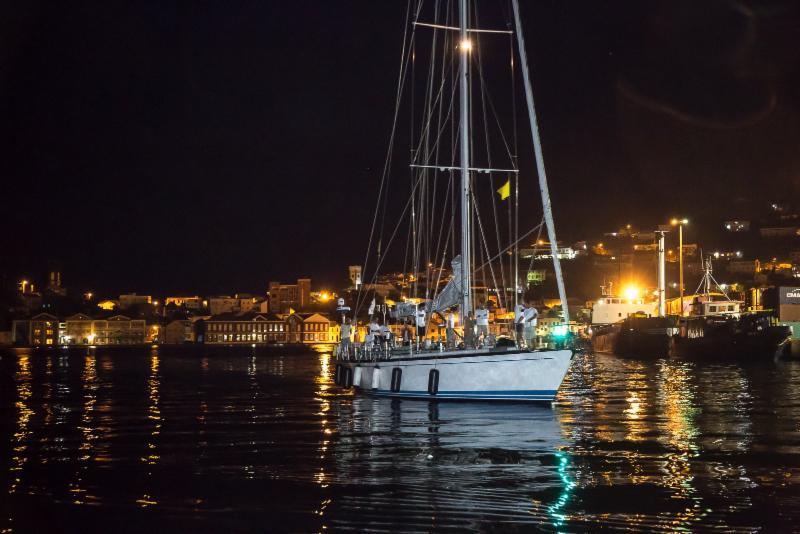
x=209 y=440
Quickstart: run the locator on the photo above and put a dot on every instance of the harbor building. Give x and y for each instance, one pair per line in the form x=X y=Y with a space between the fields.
x=282 y=297
x=81 y=329
x=43 y=330
x=311 y=328
x=245 y=328
x=179 y=332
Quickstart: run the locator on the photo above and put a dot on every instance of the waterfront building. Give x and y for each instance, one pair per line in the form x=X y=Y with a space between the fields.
x=179 y=332
x=245 y=328
x=122 y=330
x=43 y=330
x=81 y=329
x=311 y=328
x=282 y=297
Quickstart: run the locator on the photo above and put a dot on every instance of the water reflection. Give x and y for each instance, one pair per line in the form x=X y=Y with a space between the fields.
x=151 y=457
x=86 y=428
x=19 y=441
x=450 y=462
x=245 y=440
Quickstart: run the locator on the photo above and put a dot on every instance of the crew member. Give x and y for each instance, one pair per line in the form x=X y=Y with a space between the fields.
x=421 y=323
x=531 y=319
x=519 y=324
x=482 y=320
x=347 y=330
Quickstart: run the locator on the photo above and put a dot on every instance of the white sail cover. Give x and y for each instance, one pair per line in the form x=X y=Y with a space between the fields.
x=451 y=294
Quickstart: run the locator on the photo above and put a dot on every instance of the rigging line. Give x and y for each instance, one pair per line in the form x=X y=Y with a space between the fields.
x=391 y=240
x=454 y=28
x=509 y=247
x=485 y=244
x=387 y=161
x=440 y=108
x=421 y=245
x=479 y=60
x=489 y=162
x=426 y=127
x=450 y=234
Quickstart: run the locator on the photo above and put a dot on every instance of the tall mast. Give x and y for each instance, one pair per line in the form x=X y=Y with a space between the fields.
x=537 y=147
x=466 y=232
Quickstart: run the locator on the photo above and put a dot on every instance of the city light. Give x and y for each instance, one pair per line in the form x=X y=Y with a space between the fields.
x=632 y=292
x=676 y=222
x=466 y=45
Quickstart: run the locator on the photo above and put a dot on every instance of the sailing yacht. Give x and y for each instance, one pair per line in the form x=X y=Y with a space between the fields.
x=503 y=371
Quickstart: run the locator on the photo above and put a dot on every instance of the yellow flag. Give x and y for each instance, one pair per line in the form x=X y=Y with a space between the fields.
x=505 y=190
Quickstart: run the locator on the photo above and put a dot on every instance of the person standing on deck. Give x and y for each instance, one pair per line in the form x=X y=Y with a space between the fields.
x=470 y=340
x=375 y=331
x=347 y=332
x=482 y=320
x=385 y=333
x=406 y=334
x=422 y=323
x=519 y=325
x=531 y=319
x=450 y=329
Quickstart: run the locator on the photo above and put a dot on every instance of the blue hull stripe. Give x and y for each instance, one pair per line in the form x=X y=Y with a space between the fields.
x=504 y=395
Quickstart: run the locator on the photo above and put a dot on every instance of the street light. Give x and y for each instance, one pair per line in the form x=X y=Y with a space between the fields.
x=680 y=223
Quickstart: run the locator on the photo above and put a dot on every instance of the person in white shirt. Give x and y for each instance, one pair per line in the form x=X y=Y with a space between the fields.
x=519 y=325
x=482 y=320
x=421 y=322
x=531 y=319
x=374 y=332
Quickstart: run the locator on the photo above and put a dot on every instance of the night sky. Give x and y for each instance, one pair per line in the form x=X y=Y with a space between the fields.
x=210 y=147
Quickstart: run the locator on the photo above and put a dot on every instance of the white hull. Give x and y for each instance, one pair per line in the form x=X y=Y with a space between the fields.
x=513 y=375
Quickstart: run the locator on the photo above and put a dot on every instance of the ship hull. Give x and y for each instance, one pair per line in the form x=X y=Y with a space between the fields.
x=774 y=342
x=486 y=375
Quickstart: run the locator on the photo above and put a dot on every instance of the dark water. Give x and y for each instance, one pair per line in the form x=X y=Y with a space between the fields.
x=183 y=440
